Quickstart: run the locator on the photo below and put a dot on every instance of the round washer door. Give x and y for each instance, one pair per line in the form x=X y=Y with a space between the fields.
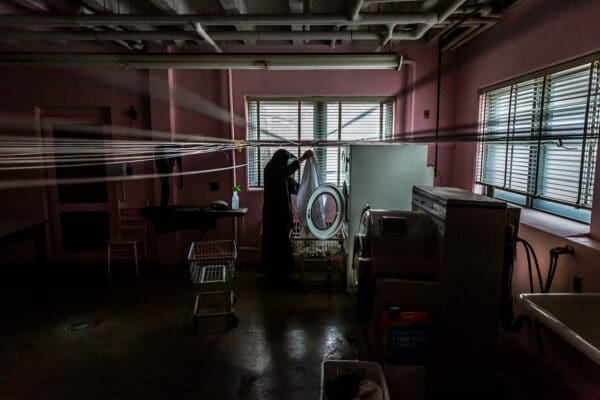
x=336 y=225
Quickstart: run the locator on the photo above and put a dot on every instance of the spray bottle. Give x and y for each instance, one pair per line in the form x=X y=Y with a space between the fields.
x=235 y=200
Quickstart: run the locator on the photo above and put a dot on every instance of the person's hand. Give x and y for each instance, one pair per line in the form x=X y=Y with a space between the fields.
x=307 y=154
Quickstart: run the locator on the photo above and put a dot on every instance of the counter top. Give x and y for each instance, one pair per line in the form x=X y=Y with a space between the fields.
x=184 y=217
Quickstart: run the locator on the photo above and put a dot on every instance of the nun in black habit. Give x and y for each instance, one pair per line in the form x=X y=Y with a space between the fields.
x=277 y=257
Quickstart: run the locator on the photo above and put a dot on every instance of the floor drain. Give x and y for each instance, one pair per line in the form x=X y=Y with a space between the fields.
x=81 y=326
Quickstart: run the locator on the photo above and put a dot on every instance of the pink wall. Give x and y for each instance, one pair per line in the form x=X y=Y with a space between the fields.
x=534 y=34
x=192 y=103
x=29 y=95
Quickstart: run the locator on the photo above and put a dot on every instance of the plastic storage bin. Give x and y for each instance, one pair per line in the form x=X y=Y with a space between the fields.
x=330 y=369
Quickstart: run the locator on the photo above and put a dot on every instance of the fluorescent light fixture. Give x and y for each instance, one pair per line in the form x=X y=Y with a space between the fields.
x=208 y=61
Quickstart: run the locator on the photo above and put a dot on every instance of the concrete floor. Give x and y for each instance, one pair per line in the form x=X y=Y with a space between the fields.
x=144 y=347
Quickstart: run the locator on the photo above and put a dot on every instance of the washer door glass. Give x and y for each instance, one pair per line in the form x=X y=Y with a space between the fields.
x=334 y=205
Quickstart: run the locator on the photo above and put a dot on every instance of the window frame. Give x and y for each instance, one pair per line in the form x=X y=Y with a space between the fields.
x=302 y=144
x=541 y=132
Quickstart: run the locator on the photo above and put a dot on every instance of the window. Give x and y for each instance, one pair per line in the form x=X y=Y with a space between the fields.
x=298 y=124
x=540 y=138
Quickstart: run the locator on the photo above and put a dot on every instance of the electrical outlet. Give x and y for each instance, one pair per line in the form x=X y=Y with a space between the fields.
x=577 y=284
x=426 y=114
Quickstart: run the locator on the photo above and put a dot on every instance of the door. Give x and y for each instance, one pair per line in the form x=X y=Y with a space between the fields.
x=335 y=206
x=80 y=203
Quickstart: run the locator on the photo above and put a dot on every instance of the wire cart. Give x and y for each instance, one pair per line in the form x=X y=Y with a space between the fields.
x=212 y=266
x=307 y=248
x=216 y=252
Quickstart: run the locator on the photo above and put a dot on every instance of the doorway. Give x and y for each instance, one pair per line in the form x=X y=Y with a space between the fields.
x=80 y=203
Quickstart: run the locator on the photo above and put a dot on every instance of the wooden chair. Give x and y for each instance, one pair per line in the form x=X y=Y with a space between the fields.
x=129 y=244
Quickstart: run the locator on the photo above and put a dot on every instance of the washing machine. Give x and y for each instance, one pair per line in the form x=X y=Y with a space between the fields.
x=379 y=176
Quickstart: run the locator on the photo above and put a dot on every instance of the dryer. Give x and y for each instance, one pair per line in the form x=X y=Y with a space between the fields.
x=379 y=176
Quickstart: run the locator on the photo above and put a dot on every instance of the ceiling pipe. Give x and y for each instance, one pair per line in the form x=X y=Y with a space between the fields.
x=385 y=39
x=91 y=7
x=469 y=21
x=478 y=21
x=485 y=11
x=307 y=11
x=334 y=41
x=466 y=38
x=207 y=38
x=220 y=36
x=205 y=20
x=165 y=6
x=356 y=9
x=421 y=30
x=207 y=61
x=455 y=5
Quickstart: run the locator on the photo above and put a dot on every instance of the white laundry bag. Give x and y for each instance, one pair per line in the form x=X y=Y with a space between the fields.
x=311 y=179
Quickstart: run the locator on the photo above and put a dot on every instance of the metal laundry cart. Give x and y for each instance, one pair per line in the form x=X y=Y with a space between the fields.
x=212 y=266
x=308 y=249
x=215 y=252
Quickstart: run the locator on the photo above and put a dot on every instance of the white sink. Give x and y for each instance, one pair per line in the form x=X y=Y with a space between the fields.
x=573 y=316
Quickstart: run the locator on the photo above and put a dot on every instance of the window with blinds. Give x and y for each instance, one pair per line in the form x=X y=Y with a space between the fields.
x=540 y=139
x=299 y=124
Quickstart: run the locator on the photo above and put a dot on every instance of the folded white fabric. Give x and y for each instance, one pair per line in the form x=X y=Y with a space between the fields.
x=311 y=179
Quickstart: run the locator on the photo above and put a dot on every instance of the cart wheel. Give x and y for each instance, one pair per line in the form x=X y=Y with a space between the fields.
x=232 y=321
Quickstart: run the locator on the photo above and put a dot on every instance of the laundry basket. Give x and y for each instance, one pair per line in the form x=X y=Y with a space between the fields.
x=331 y=369
x=308 y=249
x=212 y=265
x=214 y=252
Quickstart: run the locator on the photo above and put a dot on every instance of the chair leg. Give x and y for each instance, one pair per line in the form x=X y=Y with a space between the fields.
x=135 y=255
x=145 y=253
x=108 y=263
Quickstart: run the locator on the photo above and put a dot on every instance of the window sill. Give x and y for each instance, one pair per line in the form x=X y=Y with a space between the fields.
x=553 y=224
x=586 y=240
x=573 y=231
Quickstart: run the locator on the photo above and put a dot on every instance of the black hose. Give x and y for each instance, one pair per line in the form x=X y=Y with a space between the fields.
x=529 y=247
x=520 y=321
x=528 y=266
x=537 y=266
x=551 y=271
x=507 y=322
x=554 y=255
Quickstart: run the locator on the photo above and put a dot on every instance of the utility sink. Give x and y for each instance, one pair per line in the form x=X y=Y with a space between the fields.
x=573 y=316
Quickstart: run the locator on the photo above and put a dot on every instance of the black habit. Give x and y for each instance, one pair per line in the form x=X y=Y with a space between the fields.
x=277 y=258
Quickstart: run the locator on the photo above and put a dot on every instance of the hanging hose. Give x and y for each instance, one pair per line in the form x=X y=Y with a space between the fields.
x=507 y=314
x=554 y=254
x=509 y=323
x=528 y=249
